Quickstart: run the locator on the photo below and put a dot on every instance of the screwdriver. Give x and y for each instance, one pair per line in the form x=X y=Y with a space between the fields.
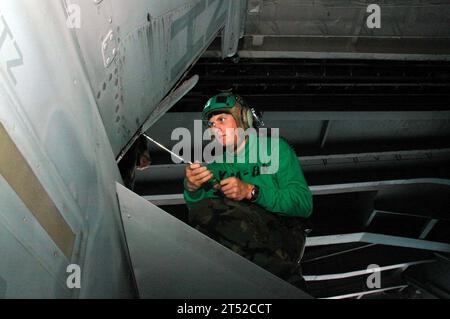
x=213 y=179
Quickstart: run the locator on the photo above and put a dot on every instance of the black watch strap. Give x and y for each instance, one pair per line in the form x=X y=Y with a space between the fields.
x=255 y=193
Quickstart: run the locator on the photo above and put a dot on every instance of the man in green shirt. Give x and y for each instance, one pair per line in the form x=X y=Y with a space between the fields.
x=247 y=198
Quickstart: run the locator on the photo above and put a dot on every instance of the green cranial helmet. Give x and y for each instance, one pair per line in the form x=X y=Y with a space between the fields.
x=221 y=102
x=233 y=104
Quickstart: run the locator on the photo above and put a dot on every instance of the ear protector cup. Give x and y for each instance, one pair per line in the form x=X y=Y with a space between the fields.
x=249 y=118
x=244 y=115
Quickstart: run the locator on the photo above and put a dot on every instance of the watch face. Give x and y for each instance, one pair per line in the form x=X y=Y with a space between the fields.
x=255 y=193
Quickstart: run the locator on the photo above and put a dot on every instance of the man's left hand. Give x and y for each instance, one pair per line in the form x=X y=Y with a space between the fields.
x=234 y=188
x=144 y=161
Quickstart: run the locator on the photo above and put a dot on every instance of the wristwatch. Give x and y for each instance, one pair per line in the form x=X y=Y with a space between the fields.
x=254 y=193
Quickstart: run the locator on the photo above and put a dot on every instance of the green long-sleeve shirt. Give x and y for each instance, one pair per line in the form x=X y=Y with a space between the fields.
x=283 y=188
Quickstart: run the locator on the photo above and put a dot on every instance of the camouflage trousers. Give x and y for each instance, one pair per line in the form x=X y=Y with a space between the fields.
x=271 y=241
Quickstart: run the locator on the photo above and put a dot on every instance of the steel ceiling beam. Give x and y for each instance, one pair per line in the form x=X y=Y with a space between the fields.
x=379 y=239
x=331 y=116
x=176 y=171
x=337 y=253
x=369 y=292
x=364 y=271
x=177 y=199
x=287 y=54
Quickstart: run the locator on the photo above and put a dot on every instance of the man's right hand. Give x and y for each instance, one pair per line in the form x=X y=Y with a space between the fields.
x=196 y=176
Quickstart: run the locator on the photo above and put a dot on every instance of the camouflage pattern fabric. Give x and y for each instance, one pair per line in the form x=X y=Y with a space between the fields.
x=271 y=241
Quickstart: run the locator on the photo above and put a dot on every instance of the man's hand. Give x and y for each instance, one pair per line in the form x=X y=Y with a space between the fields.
x=144 y=161
x=196 y=176
x=234 y=188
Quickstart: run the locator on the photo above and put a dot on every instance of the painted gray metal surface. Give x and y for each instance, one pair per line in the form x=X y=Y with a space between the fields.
x=292 y=54
x=71 y=97
x=156 y=41
x=49 y=111
x=160 y=109
x=233 y=27
x=31 y=264
x=347 y=18
x=337 y=29
x=173 y=260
